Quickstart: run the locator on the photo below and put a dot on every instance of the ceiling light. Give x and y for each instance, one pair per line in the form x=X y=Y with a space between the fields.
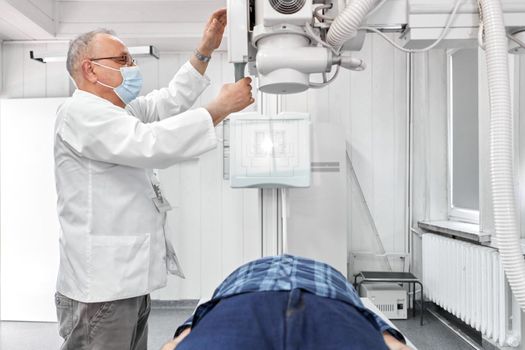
x=135 y=51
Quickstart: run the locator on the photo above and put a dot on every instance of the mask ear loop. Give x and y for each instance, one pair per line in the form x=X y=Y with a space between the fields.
x=98 y=81
x=106 y=85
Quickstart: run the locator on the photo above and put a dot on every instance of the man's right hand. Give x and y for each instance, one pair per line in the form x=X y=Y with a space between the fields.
x=232 y=98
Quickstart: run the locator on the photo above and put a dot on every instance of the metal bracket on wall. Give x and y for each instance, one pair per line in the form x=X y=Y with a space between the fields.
x=369 y=215
x=326 y=167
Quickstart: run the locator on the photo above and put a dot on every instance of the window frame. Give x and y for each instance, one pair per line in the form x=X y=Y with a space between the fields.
x=456 y=213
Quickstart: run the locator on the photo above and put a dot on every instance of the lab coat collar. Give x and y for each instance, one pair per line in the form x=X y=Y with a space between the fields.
x=82 y=93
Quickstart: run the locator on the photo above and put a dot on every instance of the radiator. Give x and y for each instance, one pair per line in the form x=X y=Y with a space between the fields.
x=467 y=280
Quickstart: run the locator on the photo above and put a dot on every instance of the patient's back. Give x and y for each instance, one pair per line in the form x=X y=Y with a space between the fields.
x=283 y=320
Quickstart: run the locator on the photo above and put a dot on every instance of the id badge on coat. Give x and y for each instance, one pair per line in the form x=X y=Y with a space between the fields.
x=161 y=203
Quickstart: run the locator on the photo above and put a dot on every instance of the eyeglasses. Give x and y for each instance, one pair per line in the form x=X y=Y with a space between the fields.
x=124 y=60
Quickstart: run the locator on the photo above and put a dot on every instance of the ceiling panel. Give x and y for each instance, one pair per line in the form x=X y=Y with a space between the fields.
x=47 y=7
x=11 y=32
x=145 y=1
x=22 y=20
x=169 y=25
x=137 y=12
x=170 y=30
x=170 y=44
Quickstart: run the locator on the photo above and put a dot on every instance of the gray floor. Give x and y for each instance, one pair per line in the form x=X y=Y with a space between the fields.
x=433 y=335
x=26 y=335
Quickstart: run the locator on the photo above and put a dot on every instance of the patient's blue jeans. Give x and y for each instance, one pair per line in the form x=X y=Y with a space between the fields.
x=293 y=320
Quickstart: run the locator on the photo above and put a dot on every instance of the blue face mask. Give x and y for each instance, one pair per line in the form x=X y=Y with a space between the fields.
x=131 y=84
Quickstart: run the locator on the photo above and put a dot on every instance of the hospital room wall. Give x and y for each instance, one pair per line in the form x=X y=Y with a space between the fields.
x=371 y=108
x=520 y=105
x=26 y=78
x=222 y=229
x=430 y=163
x=376 y=134
x=216 y=228
x=1 y=70
x=430 y=158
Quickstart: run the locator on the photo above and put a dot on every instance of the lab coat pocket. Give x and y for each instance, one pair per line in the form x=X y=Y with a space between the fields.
x=119 y=265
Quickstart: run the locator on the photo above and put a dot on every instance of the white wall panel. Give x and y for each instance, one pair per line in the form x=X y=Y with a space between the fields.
x=26 y=78
x=520 y=109
x=57 y=84
x=317 y=216
x=219 y=225
x=185 y=221
x=29 y=226
x=35 y=81
x=370 y=107
x=384 y=123
x=211 y=221
x=212 y=211
x=1 y=69
x=361 y=134
x=149 y=67
x=377 y=149
x=13 y=70
x=430 y=143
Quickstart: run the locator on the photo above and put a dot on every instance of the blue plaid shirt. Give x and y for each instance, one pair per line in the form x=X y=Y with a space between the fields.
x=284 y=273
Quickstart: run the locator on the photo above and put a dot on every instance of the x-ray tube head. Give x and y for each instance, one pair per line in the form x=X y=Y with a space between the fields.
x=285 y=62
x=286 y=56
x=285 y=47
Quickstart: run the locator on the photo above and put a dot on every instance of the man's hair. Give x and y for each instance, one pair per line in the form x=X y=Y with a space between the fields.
x=79 y=47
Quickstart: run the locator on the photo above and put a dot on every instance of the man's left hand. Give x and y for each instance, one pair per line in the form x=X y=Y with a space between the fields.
x=393 y=343
x=213 y=32
x=172 y=344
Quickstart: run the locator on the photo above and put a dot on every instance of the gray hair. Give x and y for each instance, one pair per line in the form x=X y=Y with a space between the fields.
x=79 y=48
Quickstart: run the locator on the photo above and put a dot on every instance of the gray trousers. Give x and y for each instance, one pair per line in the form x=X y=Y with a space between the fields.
x=114 y=325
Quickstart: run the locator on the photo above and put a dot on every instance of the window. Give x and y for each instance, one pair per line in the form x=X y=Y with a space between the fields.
x=463 y=135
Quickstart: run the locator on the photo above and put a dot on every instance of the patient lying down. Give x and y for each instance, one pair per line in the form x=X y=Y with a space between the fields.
x=285 y=302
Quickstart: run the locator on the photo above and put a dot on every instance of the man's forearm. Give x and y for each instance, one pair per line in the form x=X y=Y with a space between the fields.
x=199 y=65
x=211 y=39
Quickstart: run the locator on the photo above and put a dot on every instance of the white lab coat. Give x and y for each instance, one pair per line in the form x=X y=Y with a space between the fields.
x=112 y=241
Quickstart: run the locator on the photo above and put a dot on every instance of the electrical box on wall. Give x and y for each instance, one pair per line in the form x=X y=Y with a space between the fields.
x=270 y=152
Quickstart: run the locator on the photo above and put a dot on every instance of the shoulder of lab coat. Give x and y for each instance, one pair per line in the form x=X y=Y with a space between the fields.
x=99 y=130
x=182 y=92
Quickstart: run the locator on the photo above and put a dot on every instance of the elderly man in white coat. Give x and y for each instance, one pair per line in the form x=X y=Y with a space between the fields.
x=113 y=247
